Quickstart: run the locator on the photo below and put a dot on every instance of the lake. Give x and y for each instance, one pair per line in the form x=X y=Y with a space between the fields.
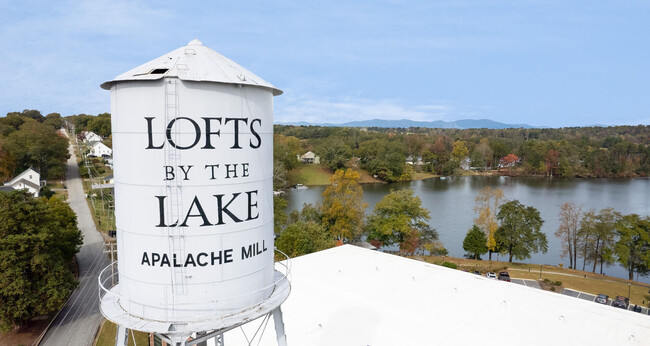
x=451 y=203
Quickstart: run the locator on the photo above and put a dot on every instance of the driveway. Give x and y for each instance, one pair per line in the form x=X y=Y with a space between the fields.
x=78 y=321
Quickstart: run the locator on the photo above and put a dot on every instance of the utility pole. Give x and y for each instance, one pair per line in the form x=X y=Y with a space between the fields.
x=111 y=248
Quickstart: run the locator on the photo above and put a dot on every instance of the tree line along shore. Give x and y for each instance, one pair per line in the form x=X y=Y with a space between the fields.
x=400 y=154
x=590 y=238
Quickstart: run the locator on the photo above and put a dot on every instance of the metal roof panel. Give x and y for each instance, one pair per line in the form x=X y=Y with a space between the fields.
x=194 y=62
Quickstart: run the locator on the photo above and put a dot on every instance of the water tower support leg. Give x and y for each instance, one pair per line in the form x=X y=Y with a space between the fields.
x=122 y=336
x=279 y=327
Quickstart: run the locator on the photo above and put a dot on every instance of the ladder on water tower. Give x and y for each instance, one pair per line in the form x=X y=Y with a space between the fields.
x=174 y=190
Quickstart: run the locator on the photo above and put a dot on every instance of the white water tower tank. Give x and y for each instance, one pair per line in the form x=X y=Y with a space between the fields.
x=193 y=160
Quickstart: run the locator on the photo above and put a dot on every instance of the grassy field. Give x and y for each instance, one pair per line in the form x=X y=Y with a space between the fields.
x=574 y=279
x=366 y=178
x=106 y=336
x=320 y=175
x=310 y=175
x=423 y=175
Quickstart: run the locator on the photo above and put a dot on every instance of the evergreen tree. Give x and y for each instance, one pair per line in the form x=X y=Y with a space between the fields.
x=475 y=243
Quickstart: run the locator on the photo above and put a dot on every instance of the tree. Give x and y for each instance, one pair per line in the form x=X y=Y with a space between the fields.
x=304 y=233
x=429 y=160
x=101 y=124
x=475 y=243
x=38 y=238
x=552 y=161
x=520 y=232
x=598 y=232
x=400 y=218
x=279 y=215
x=7 y=162
x=606 y=236
x=54 y=120
x=285 y=150
x=483 y=153
x=459 y=151
x=29 y=113
x=279 y=176
x=567 y=232
x=441 y=149
x=565 y=168
x=436 y=248
x=587 y=225
x=382 y=157
x=633 y=247
x=39 y=146
x=334 y=153
x=343 y=206
x=303 y=237
x=487 y=204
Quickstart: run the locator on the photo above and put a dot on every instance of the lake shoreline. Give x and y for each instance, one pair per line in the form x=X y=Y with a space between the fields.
x=450 y=202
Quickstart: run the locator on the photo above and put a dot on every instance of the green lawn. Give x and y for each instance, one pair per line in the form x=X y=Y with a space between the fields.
x=310 y=174
x=575 y=279
x=423 y=175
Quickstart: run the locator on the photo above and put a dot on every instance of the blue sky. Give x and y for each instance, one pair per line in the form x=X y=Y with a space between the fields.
x=545 y=63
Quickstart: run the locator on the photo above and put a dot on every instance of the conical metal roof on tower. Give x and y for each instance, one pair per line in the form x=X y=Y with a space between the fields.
x=194 y=62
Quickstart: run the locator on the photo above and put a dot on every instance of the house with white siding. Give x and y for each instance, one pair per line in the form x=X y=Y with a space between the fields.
x=99 y=149
x=309 y=157
x=91 y=137
x=30 y=179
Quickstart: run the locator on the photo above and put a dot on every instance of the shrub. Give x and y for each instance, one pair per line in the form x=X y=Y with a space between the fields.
x=450 y=265
x=558 y=283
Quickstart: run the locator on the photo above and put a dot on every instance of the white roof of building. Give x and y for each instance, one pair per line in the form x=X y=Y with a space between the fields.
x=352 y=296
x=97 y=144
x=194 y=62
x=20 y=176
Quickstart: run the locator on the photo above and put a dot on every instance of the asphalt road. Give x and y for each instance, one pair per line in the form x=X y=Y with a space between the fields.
x=78 y=321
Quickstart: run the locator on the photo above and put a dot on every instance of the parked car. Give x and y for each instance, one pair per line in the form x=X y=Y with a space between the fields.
x=637 y=308
x=491 y=275
x=602 y=298
x=504 y=276
x=620 y=302
x=477 y=272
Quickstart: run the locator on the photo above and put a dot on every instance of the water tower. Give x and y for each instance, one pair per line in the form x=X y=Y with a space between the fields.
x=193 y=160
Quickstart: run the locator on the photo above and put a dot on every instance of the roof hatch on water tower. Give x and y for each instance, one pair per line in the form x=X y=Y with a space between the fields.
x=193 y=162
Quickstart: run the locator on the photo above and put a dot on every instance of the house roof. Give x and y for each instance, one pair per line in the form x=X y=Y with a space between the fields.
x=22 y=174
x=353 y=296
x=308 y=155
x=30 y=184
x=194 y=62
x=98 y=143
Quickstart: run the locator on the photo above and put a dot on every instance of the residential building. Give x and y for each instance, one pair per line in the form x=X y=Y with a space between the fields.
x=30 y=179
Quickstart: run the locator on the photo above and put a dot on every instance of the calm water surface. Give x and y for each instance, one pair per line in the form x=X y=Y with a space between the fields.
x=451 y=203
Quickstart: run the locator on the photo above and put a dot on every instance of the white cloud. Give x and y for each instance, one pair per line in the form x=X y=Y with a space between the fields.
x=320 y=110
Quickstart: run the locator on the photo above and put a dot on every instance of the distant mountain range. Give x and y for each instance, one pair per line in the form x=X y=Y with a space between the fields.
x=405 y=123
